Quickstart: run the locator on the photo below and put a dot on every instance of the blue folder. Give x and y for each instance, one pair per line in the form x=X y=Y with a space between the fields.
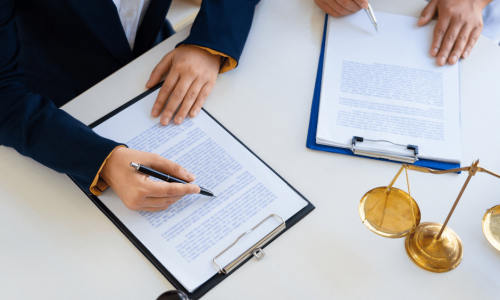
x=313 y=123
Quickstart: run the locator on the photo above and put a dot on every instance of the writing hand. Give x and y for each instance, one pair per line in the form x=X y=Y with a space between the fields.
x=192 y=72
x=339 y=8
x=458 y=27
x=136 y=190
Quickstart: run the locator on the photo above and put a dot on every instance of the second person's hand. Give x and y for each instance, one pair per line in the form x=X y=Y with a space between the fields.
x=192 y=73
x=340 y=8
x=458 y=27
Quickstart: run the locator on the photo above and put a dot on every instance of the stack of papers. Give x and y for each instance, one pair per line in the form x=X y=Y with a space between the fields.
x=387 y=86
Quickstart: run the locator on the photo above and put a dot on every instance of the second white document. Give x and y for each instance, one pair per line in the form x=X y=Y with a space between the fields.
x=387 y=86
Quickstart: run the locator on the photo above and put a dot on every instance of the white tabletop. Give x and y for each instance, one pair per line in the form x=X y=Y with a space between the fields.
x=56 y=244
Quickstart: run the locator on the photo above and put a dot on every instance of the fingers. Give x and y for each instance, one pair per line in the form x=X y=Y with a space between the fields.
x=428 y=13
x=169 y=167
x=157 y=194
x=457 y=29
x=162 y=189
x=333 y=8
x=163 y=95
x=362 y=3
x=161 y=69
x=189 y=68
x=160 y=202
x=321 y=4
x=349 y=5
x=341 y=10
x=200 y=100
x=176 y=97
x=189 y=99
x=153 y=209
x=439 y=33
x=462 y=39
x=137 y=191
x=474 y=35
x=448 y=41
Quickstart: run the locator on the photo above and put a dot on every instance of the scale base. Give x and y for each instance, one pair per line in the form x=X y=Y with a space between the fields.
x=434 y=255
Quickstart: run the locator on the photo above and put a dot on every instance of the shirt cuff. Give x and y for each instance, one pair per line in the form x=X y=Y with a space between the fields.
x=98 y=185
x=228 y=63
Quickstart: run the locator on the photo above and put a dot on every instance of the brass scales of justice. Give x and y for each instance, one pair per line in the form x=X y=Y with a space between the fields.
x=393 y=213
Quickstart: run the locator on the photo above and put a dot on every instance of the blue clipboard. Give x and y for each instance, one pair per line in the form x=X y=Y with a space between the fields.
x=313 y=123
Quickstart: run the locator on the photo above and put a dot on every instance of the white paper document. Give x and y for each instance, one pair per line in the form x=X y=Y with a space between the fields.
x=386 y=86
x=190 y=233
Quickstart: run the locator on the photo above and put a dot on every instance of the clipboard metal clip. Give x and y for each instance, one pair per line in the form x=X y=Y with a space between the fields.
x=255 y=251
x=384 y=154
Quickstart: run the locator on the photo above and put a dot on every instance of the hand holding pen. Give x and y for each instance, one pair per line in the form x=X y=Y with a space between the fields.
x=167 y=178
x=340 y=8
x=136 y=190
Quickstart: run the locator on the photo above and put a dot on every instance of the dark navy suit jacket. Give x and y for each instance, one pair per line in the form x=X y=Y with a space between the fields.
x=53 y=50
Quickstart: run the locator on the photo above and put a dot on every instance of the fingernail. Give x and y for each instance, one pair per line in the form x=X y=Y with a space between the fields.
x=435 y=51
x=453 y=59
x=190 y=176
x=365 y=5
x=155 y=112
x=465 y=54
x=441 y=60
x=178 y=119
x=166 y=121
x=195 y=113
x=149 y=81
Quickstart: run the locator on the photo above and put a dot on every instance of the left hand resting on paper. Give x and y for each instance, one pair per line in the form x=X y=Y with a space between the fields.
x=459 y=24
x=192 y=72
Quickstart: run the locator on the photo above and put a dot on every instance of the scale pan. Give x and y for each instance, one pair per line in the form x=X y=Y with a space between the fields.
x=491 y=226
x=389 y=214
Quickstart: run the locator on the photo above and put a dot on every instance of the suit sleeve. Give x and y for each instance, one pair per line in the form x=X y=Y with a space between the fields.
x=223 y=26
x=33 y=126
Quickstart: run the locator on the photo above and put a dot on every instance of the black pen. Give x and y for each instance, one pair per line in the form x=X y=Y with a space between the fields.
x=167 y=178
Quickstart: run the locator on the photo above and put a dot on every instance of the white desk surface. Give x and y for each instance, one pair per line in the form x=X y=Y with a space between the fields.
x=56 y=244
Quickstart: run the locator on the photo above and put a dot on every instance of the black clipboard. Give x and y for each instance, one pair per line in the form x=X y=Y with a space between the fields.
x=217 y=278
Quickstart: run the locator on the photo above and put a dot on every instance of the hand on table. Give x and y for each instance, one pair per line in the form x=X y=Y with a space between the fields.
x=136 y=190
x=192 y=72
x=339 y=8
x=458 y=27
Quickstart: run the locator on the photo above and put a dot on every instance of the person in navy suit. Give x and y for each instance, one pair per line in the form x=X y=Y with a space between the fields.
x=53 y=50
x=458 y=26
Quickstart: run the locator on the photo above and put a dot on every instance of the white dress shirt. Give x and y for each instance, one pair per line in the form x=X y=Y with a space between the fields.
x=131 y=13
